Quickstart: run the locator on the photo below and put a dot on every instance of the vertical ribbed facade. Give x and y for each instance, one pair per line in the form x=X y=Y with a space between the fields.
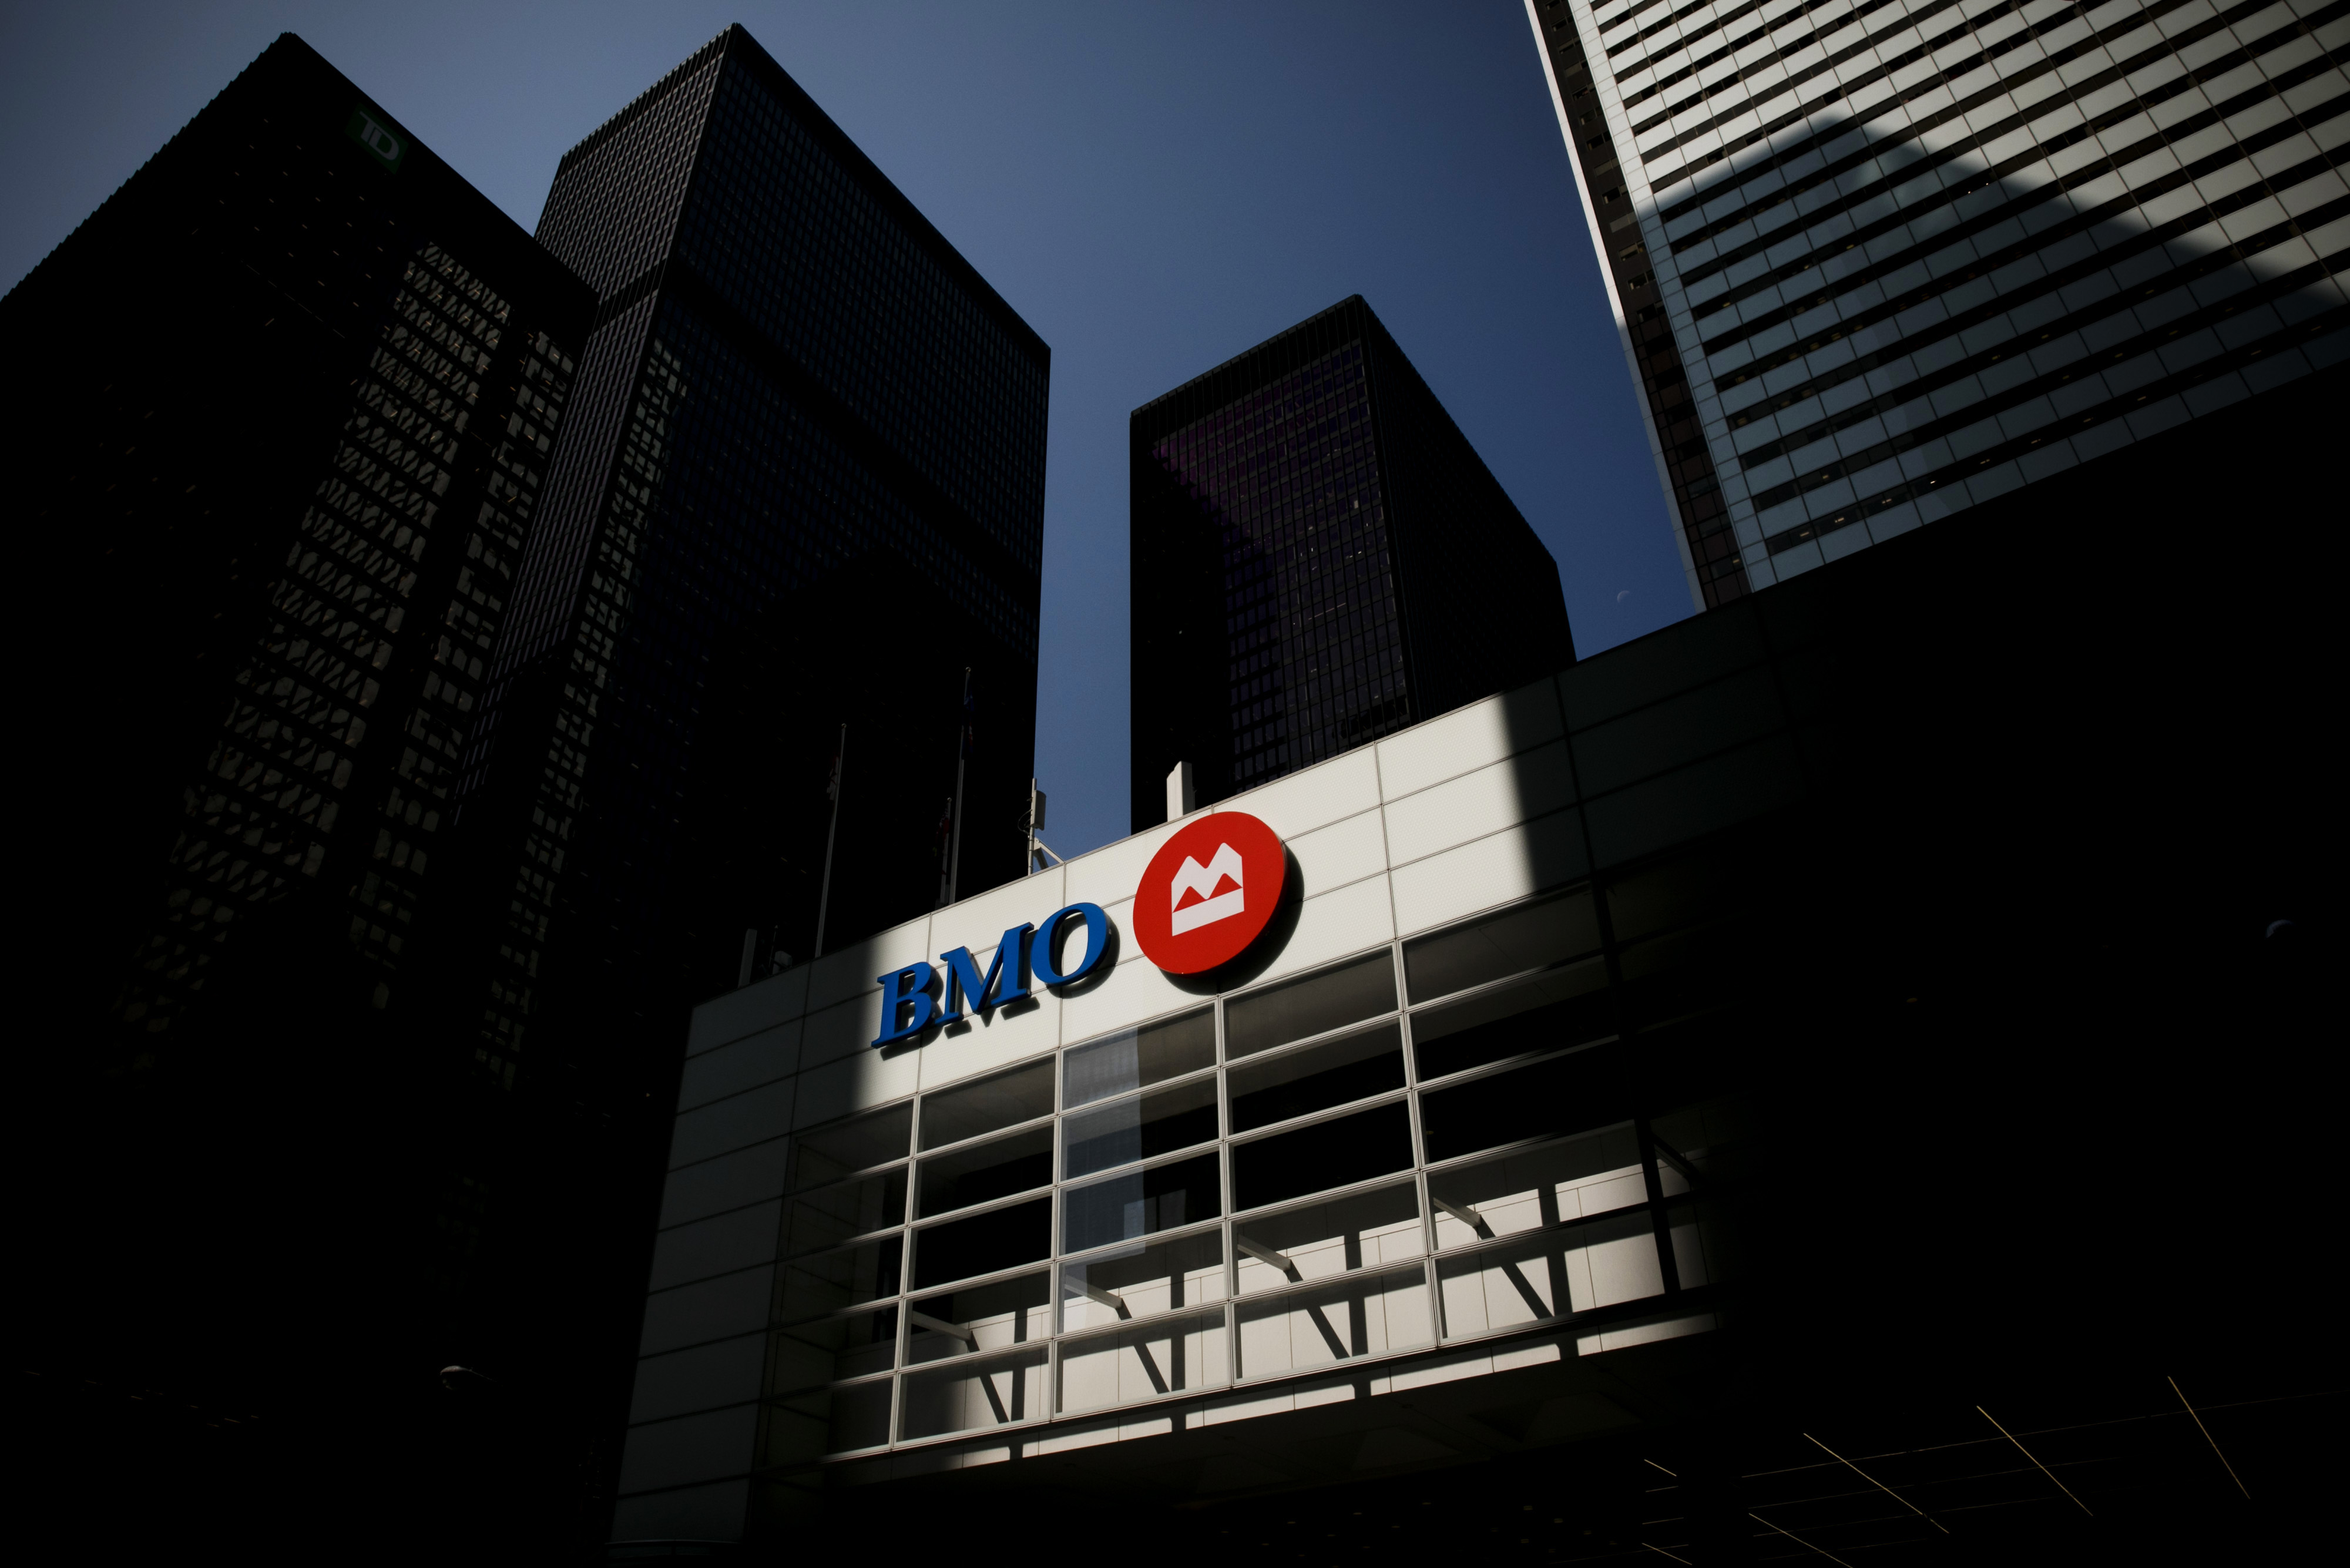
x=1319 y=558
x=804 y=488
x=1877 y=261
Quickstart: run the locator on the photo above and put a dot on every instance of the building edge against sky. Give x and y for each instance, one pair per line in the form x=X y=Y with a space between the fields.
x=799 y=404
x=303 y=470
x=1875 y=265
x=1318 y=556
x=447 y=816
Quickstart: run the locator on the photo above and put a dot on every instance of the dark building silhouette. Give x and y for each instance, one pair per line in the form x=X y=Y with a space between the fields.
x=804 y=488
x=1319 y=558
x=298 y=384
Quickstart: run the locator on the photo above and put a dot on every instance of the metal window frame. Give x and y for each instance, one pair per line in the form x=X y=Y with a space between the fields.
x=1655 y=1157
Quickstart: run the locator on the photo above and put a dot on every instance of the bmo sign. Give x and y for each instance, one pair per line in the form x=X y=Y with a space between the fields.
x=1205 y=897
x=1209 y=892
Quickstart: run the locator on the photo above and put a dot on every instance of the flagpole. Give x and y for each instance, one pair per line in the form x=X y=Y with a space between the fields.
x=824 y=898
x=963 y=758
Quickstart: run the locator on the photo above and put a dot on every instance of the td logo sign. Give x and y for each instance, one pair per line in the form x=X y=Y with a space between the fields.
x=1208 y=893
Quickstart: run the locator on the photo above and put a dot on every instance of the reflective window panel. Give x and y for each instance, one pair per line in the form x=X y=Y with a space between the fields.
x=1140 y=1127
x=1296 y=1009
x=1139 y=1058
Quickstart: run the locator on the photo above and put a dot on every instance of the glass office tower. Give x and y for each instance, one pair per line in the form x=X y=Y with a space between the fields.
x=1319 y=558
x=284 y=446
x=1879 y=261
x=804 y=489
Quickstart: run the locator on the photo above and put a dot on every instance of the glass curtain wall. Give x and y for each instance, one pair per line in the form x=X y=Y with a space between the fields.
x=1433 y=1141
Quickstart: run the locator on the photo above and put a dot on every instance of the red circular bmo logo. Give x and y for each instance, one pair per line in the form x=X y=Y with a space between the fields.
x=1208 y=892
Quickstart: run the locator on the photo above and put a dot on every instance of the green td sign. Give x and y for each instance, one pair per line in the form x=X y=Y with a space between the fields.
x=388 y=145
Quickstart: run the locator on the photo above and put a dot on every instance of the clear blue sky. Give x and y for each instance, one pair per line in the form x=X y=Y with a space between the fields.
x=1155 y=187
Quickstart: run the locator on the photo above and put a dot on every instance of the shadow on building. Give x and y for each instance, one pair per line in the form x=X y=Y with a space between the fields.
x=1976 y=919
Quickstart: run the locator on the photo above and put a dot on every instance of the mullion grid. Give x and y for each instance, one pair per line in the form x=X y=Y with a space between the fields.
x=1657 y=1205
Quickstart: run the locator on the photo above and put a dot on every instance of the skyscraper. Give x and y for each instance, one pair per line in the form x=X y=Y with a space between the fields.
x=1879 y=263
x=804 y=489
x=1319 y=558
x=298 y=385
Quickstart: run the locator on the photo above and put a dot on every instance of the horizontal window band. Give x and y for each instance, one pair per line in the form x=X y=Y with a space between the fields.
x=2219 y=260
x=2041 y=385
x=2193 y=77
x=1707 y=90
x=2081 y=222
x=1833 y=26
x=1662 y=24
x=2145 y=146
x=2193 y=376
x=1687 y=204
x=1883 y=71
x=1636 y=8
x=2086 y=267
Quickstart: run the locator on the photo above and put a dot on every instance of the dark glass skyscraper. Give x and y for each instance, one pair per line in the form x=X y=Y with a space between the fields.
x=298 y=382
x=804 y=489
x=1319 y=558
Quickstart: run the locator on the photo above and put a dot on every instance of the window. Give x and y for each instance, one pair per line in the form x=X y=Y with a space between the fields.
x=1189 y=1217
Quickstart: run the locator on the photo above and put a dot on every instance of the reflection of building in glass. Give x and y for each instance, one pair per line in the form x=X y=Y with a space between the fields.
x=1319 y=558
x=1879 y=263
x=805 y=488
x=298 y=383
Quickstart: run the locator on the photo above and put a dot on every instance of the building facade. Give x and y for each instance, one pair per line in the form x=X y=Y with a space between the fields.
x=1319 y=559
x=1400 y=1147
x=293 y=485
x=1876 y=263
x=1660 y=1084
x=805 y=490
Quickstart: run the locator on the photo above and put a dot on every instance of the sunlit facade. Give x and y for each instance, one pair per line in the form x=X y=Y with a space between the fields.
x=1450 y=1123
x=1877 y=261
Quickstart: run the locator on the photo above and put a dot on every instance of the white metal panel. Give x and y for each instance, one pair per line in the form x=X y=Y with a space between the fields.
x=842 y=974
x=731 y=1180
x=707 y=1310
x=1343 y=852
x=1468 y=738
x=844 y=1029
x=754 y=1116
x=688 y=1450
x=720 y=1245
x=1344 y=921
x=755 y=1059
x=1314 y=796
x=770 y=1001
x=867 y=1078
x=701 y=1377
x=1530 y=784
x=1493 y=870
